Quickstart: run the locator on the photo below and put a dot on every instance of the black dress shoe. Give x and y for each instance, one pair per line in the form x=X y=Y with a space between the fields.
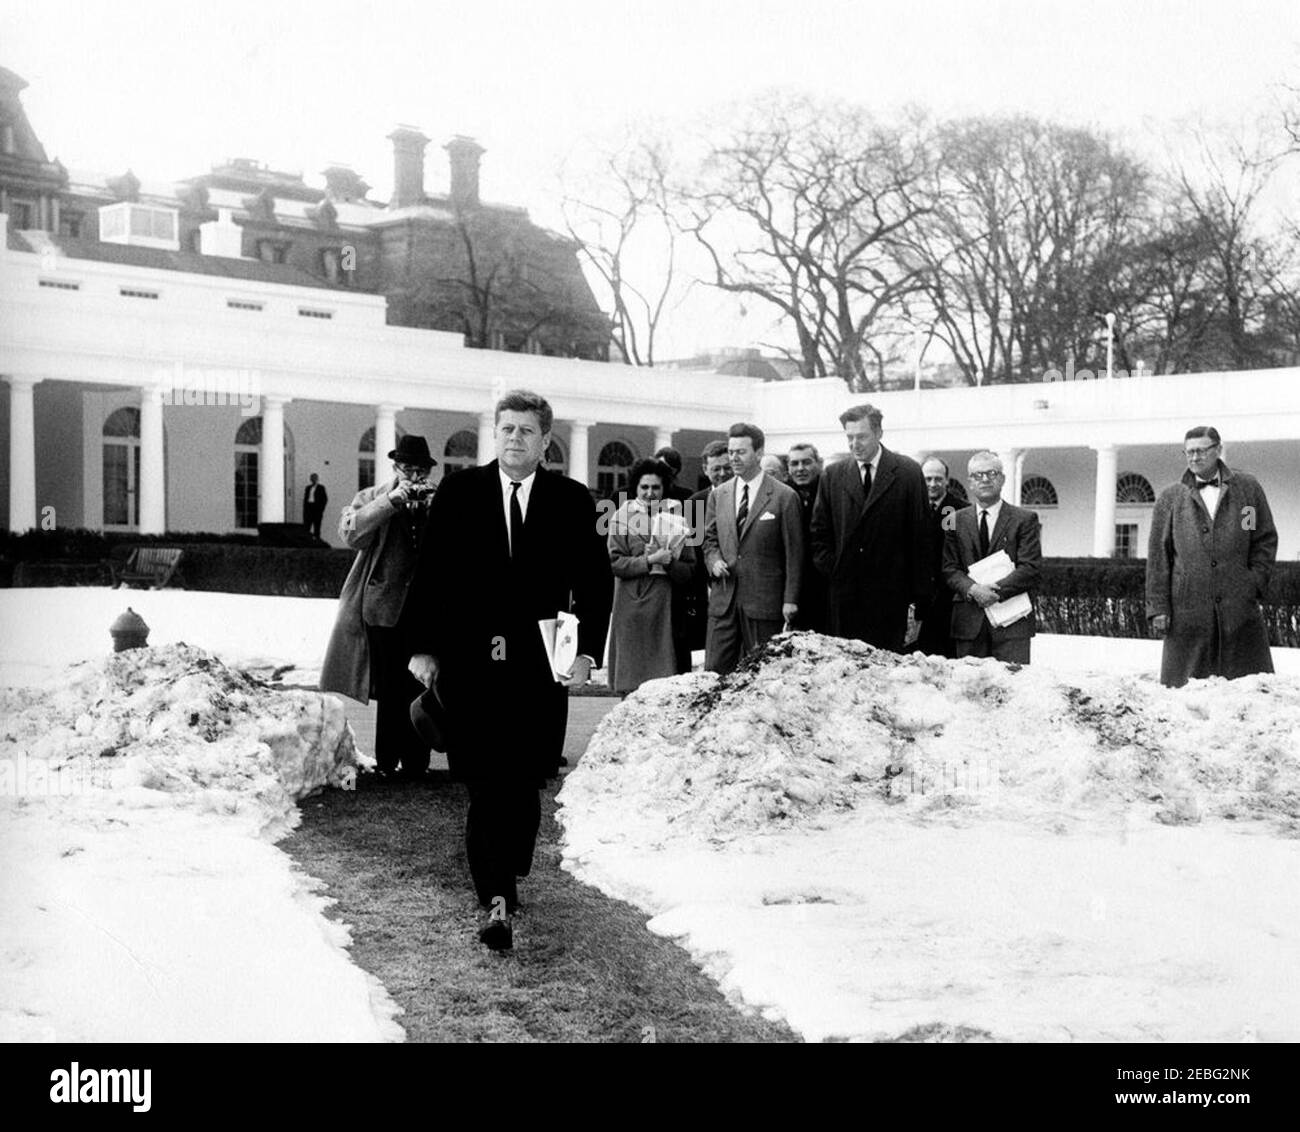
x=498 y=934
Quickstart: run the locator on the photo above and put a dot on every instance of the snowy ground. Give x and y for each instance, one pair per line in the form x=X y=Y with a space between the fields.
x=864 y=845
x=145 y=907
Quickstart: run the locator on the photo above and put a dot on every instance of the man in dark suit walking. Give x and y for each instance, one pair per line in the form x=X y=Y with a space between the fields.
x=753 y=551
x=871 y=536
x=983 y=529
x=525 y=543
x=314 y=499
x=935 y=615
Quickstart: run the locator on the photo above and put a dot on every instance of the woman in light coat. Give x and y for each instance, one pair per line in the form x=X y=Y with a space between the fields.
x=649 y=556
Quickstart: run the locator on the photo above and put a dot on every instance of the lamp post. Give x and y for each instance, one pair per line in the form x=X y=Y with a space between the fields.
x=1110 y=345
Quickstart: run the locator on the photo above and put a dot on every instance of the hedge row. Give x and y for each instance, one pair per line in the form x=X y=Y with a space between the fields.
x=1078 y=596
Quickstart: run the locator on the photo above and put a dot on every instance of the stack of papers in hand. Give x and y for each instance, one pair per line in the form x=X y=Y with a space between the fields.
x=990 y=570
x=560 y=638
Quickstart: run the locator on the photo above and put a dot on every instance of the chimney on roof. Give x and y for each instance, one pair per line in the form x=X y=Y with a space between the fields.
x=408 y=166
x=221 y=237
x=464 y=154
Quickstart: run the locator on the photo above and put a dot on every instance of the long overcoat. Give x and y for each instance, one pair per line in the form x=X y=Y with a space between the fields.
x=374 y=592
x=1208 y=577
x=643 y=629
x=874 y=550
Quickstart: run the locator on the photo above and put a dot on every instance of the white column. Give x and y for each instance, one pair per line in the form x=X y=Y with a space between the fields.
x=1010 y=458
x=22 y=455
x=272 y=459
x=579 y=458
x=385 y=440
x=663 y=438
x=153 y=485
x=1103 y=527
x=487 y=442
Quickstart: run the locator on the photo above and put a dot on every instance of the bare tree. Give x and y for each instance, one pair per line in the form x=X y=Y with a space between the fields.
x=1027 y=225
x=624 y=227
x=801 y=207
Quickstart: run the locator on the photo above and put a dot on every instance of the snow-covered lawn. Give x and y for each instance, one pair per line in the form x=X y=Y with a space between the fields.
x=865 y=845
x=152 y=904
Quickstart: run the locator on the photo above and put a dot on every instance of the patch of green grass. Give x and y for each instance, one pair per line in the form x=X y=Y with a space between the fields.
x=584 y=967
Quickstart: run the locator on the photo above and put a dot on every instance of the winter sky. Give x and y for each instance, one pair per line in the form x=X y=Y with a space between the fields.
x=169 y=88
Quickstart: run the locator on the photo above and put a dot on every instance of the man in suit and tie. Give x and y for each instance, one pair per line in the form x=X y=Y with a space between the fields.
x=871 y=536
x=753 y=552
x=983 y=529
x=935 y=636
x=314 y=499
x=510 y=544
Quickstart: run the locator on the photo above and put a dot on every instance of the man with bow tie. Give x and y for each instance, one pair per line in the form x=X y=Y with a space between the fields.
x=1213 y=544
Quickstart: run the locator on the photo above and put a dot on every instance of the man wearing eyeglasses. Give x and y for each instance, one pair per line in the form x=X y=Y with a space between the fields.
x=989 y=525
x=1213 y=544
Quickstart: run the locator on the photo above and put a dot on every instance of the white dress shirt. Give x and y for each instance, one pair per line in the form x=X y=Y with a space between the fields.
x=753 y=489
x=994 y=509
x=873 y=463
x=525 y=490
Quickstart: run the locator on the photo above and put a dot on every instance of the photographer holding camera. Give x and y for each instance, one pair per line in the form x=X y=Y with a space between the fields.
x=368 y=652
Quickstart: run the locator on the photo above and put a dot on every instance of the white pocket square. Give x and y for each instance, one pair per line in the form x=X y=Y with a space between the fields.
x=765 y=516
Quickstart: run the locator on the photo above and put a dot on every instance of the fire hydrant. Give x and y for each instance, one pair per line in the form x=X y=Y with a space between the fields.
x=129 y=631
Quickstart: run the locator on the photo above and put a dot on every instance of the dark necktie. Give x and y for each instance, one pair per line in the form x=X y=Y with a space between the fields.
x=866 y=479
x=743 y=513
x=1201 y=485
x=516 y=522
x=984 y=533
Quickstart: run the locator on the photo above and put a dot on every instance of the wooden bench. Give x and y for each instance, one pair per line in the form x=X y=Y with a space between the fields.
x=149 y=566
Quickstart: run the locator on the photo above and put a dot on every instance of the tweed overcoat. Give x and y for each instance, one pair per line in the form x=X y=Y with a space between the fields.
x=1208 y=577
x=374 y=592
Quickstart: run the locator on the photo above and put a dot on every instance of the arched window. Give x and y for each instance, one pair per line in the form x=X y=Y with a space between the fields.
x=612 y=469
x=1037 y=491
x=957 y=488
x=461 y=451
x=366 y=456
x=248 y=455
x=555 y=460
x=1134 y=488
x=122 y=468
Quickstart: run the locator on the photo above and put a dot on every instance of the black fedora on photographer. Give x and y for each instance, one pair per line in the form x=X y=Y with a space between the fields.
x=368 y=654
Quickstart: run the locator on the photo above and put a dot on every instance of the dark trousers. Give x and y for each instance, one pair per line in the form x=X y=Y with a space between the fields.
x=1015 y=651
x=312 y=520
x=396 y=740
x=500 y=835
x=734 y=636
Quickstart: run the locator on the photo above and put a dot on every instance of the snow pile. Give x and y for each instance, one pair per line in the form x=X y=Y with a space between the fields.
x=823 y=726
x=143 y=897
x=872 y=846
x=175 y=726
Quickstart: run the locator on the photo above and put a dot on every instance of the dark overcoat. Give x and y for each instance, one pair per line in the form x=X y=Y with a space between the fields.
x=375 y=590
x=935 y=638
x=475 y=609
x=875 y=551
x=1208 y=577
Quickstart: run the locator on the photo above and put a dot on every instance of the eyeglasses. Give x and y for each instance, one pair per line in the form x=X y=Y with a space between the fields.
x=984 y=477
x=1199 y=453
x=411 y=470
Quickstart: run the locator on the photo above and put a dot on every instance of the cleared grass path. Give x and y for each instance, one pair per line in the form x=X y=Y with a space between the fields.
x=584 y=968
